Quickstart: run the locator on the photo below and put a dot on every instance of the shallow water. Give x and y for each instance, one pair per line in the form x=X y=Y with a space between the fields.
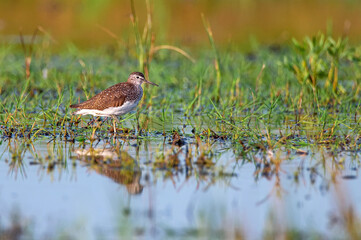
x=145 y=188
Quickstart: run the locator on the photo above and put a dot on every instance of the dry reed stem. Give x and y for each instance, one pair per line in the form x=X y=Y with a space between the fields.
x=176 y=49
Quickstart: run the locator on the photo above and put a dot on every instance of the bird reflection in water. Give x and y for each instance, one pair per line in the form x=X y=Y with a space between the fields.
x=118 y=166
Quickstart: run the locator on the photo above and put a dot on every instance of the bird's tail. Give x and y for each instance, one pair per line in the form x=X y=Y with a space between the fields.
x=75 y=106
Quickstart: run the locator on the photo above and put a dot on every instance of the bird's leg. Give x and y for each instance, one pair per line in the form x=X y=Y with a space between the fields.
x=94 y=130
x=115 y=129
x=104 y=120
x=92 y=121
x=115 y=120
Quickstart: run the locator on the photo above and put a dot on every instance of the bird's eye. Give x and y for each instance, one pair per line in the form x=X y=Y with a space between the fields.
x=137 y=76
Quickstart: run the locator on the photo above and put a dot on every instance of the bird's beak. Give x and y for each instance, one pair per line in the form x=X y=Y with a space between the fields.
x=149 y=82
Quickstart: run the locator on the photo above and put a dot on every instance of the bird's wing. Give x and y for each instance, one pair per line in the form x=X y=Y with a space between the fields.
x=113 y=96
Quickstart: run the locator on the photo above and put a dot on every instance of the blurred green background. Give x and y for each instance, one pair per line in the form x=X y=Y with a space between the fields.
x=238 y=22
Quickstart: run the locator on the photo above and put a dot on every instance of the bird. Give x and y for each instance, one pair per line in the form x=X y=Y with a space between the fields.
x=116 y=100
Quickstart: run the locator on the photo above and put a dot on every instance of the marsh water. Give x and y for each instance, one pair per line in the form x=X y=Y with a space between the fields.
x=173 y=187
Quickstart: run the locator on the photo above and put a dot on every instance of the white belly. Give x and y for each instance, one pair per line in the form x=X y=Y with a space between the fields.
x=125 y=108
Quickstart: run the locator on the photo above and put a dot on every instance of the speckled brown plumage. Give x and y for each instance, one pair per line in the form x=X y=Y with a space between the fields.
x=114 y=96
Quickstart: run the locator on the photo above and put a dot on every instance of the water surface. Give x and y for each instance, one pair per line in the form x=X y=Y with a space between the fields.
x=152 y=188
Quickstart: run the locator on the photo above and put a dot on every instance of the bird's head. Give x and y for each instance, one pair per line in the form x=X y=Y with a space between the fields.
x=138 y=78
